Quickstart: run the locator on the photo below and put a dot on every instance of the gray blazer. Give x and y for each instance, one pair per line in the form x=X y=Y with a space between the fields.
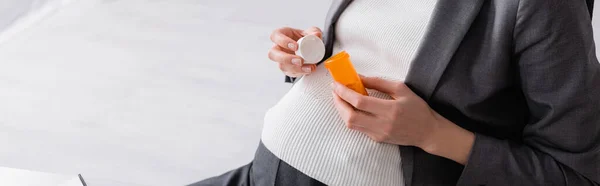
x=521 y=74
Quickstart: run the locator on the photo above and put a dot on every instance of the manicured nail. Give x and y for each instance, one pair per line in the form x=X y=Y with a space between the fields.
x=333 y=85
x=307 y=69
x=292 y=46
x=297 y=61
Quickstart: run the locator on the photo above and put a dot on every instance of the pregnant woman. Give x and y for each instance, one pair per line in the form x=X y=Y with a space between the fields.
x=461 y=92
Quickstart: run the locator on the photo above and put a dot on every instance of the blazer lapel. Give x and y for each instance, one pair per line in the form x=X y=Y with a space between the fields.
x=449 y=23
x=336 y=9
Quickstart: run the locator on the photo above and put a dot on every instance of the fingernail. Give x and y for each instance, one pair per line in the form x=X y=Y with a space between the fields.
x=292 y=46
x=307 y=69
x=297 y=61
x=333 y=85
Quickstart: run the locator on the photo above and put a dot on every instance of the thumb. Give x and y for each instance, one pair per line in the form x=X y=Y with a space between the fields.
x=386 y=86
x=313 y=31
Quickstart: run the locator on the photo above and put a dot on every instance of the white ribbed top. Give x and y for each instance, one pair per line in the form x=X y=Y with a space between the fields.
x=305 y=130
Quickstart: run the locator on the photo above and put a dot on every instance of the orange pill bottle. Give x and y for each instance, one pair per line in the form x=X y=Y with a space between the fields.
x=340 y=67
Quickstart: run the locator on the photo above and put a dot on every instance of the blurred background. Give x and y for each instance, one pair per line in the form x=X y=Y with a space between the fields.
x=140 y=92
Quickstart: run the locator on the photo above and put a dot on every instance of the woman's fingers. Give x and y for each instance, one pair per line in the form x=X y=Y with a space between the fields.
x=277 y=54
x=357 y=120
x=290 y=64
x=307 y=69
x=286 y=38
x=392 y=88
x=283 y=52
x=313 y=31
x=294 y=71
x=361 y=102
x=351 y=117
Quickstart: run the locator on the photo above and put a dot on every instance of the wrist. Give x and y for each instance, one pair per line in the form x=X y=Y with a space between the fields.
x=432 y=141
x=449 y=140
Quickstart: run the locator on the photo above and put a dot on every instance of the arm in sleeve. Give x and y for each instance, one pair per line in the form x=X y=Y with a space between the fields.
x=289 y=79
x=560 y=77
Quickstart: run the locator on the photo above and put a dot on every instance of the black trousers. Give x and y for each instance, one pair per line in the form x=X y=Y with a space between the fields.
x=265 y=170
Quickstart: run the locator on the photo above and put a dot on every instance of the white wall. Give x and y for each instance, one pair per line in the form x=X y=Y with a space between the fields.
x=10 y=10
x=16 y=15
x=143 y=91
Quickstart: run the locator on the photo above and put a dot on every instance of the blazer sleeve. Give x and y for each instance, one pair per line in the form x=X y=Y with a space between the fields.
x=555 y=59
x=289 y=79
x=590 y=4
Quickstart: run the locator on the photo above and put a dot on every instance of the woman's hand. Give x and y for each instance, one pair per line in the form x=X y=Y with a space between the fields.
x=405 y=120
x=284 y=48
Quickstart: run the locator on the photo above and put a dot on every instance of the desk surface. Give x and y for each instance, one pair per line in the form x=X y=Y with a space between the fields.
x=20 y=177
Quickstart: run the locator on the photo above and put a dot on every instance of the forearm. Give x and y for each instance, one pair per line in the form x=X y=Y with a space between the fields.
x=502 y=162
x=489 y=161
x=450 y=141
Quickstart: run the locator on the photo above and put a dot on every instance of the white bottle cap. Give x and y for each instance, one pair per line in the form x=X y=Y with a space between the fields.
x=311 y=48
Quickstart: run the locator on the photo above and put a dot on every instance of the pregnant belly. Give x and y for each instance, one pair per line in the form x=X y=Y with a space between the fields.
x=305 y=131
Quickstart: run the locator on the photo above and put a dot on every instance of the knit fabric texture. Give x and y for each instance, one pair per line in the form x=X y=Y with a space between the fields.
x=304 y=129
